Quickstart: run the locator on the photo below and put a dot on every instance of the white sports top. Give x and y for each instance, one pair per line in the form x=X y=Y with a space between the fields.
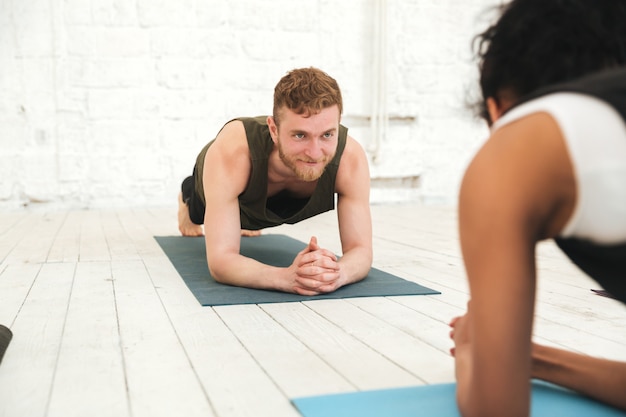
x=595 y=135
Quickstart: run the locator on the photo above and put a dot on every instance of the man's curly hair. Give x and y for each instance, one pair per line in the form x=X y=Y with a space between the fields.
x=306 y=91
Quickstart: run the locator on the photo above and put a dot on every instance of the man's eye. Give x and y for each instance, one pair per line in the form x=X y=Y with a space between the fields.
x=299 y=135
x=328 y=135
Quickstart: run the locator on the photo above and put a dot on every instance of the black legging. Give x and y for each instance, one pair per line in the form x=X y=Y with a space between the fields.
x=192 y=199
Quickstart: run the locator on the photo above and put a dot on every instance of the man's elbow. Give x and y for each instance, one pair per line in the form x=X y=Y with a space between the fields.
x=218 y=274
x=368 y=258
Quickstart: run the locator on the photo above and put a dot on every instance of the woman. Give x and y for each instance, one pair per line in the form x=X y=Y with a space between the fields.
x=554 y=86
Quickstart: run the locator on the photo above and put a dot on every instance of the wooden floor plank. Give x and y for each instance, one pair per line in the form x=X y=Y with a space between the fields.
x=15 y=226
x=30 y=362
x=120 y=244
x=66 y=245
x=90 y=377
x=33 y=247
x=414 y=321
x=93 y=244
x=16 y=281
x=408 y=352
x=9 y=219
x=295 y=369
x=160 y=380
x=363 y=367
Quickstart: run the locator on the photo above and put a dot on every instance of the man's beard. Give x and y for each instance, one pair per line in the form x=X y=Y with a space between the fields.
x=304 y=173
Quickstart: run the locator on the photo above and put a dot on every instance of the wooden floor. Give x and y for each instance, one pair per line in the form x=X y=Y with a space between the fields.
x=104 y=326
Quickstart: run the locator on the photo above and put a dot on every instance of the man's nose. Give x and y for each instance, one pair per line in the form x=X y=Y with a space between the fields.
x=315 y=150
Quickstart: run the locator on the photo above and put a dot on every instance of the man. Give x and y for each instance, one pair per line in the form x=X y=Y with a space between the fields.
x=265 y=171
x=553 y=81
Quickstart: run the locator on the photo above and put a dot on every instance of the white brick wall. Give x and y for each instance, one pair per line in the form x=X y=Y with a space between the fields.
x=107 y=102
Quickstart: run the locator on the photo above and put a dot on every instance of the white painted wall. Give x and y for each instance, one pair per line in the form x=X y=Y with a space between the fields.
x=107 y=102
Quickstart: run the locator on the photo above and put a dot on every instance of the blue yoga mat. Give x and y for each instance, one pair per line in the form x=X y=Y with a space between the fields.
x=188 y=256
x=440 y=401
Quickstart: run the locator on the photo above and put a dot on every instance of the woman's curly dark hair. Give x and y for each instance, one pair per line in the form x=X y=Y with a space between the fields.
x=536 y=43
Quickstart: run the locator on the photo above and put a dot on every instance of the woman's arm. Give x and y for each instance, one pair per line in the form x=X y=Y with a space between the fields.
x=515 y=192
x=601 y=379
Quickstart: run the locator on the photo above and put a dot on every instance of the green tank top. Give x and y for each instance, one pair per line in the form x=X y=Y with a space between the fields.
x=256 y=210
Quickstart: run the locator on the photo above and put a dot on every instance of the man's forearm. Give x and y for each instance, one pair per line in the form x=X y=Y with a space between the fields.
x=602 y=379
x=242 y=271
x=356 y=263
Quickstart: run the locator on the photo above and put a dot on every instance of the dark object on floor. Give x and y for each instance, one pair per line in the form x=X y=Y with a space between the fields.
x=5 y=339
x=604 y=293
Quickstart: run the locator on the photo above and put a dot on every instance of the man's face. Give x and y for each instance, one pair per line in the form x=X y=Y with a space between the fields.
x=307 y=144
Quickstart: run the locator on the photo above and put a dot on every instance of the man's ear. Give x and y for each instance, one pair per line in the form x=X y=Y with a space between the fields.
x=273 y=128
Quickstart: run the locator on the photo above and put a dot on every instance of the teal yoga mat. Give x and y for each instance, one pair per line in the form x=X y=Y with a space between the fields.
x=188 y=256
x=439 y=401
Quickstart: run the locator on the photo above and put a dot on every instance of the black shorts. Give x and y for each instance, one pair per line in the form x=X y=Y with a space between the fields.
x=192 y=199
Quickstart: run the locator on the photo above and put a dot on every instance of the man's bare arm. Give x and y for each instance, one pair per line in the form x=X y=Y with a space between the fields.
x=225 y=176
x=353 y=212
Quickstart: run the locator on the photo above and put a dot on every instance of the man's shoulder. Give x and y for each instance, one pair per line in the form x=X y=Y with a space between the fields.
x=353 y=150
x=232 y=138
x=255 y=122
x=353 y=170
x=254 y=127
x=262 y=119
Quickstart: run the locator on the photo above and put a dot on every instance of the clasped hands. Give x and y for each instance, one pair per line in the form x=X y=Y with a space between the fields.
x=315 y=270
